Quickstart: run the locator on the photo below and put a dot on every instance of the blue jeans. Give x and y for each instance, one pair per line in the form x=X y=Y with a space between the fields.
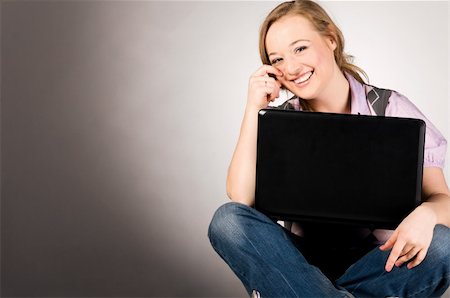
x=275 y=262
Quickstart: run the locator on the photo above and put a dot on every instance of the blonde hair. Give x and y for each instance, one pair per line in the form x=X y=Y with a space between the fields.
x=322 y=23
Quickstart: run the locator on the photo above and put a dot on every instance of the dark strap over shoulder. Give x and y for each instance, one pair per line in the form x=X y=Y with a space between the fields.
x=379 y=99
x=286 y=106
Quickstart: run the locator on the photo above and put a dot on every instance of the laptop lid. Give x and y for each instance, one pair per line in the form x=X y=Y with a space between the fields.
x=355 y=169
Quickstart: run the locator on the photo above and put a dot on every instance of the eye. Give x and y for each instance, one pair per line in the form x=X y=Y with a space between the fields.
x=275 y=61
x=300 y=49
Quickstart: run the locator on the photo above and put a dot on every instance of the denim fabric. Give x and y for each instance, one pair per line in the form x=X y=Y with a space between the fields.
x=277 y=263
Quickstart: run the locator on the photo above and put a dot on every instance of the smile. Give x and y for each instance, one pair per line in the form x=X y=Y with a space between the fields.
x=303 y=78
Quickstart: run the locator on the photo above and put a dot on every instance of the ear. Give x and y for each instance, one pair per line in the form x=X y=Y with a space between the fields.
x=331 y=43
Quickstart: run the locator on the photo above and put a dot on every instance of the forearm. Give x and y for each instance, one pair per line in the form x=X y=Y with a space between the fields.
x=242 y=171
x=439 y=203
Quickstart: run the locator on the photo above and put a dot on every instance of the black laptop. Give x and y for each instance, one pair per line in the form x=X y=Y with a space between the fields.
x=338 y=168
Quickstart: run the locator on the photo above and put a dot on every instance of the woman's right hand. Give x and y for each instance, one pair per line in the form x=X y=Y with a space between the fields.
x=262 y=89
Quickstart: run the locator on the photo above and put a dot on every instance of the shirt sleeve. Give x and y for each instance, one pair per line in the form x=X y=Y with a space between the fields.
x=435 y=143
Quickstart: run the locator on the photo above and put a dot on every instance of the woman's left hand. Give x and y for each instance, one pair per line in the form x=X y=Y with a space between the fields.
x=412 y=238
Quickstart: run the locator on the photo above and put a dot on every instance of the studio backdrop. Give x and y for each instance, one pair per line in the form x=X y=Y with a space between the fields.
x=119 y=119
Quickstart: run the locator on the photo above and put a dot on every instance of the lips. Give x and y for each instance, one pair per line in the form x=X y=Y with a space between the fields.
x=304 y=77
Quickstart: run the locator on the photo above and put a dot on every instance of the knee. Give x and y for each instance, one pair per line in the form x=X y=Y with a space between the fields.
x=227 y=222
x=439 y=250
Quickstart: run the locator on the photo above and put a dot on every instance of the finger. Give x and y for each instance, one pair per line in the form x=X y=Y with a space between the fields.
x=266 y=69
x=273 y=92
x=266 y=86
x=273 y=95
x=390 y=242
x=270 y=83
x=407 y=256
x=406 y=249
x=394 y=255
x=267 y=83
x=278 y=84
x=418 y=259
x=263 y=81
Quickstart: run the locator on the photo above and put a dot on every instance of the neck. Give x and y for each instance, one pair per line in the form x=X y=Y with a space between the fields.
x=335 y=98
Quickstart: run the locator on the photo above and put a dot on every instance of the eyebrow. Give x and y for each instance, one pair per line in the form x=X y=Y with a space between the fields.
x=290 y=45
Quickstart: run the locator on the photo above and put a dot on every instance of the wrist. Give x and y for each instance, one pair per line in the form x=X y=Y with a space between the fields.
x=252 y=110
x=429 y=209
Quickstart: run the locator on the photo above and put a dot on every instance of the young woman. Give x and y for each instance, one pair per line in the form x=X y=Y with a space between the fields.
x=302 y=50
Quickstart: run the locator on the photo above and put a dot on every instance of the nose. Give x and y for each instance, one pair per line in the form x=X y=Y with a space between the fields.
x=293 y=67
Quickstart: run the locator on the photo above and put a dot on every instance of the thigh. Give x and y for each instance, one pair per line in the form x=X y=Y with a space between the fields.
x=368 y=278
x=260 y=253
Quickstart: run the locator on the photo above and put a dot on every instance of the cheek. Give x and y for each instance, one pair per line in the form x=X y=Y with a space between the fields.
x=316 y=59
x=326 y=58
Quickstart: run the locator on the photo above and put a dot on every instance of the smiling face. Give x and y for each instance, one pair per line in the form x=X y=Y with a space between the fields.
x=305 y=57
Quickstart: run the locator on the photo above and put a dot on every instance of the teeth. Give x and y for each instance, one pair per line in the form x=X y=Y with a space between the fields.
x=304 y=77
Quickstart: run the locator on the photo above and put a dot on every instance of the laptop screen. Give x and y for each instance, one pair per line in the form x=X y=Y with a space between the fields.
x=357 y=169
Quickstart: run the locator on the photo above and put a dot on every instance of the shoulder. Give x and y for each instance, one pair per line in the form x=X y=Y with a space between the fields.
x=435 y=143
x=389 y=102
x=401 y=106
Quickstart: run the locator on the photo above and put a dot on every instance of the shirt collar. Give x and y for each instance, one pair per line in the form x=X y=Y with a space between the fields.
x=359 y=103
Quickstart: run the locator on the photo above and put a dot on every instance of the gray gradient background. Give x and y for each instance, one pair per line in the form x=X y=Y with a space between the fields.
x=118 y=121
